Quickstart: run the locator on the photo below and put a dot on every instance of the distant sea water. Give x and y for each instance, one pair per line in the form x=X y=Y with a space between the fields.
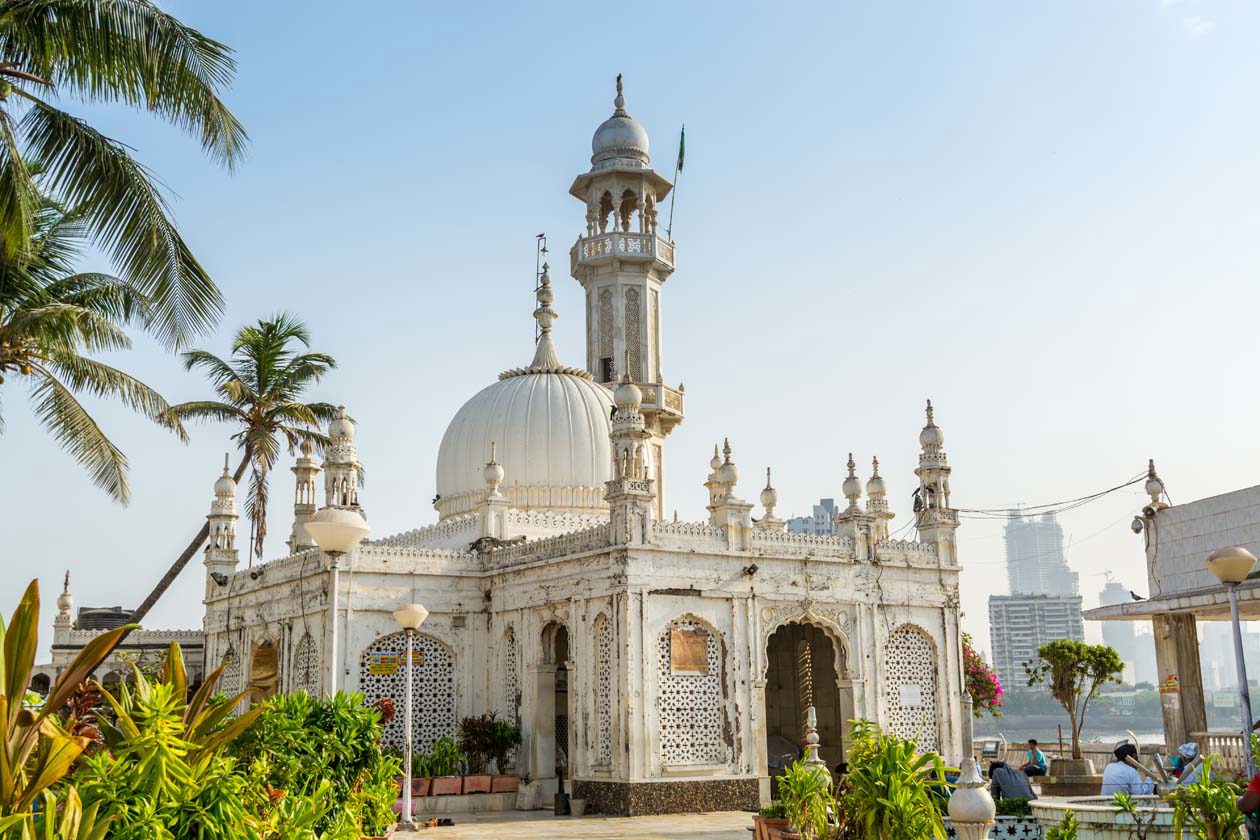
x=1045 y=728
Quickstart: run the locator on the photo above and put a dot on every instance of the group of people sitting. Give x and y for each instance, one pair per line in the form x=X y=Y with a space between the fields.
x=1006 y=782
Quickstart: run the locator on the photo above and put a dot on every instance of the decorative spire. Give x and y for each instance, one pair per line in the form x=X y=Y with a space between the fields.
x=877 y=502
x=769 y=498
x=715 y=463
x=65 y=601
x=727 y=473
x=545 y=353
x=1154 y=485
x=619 y=103
x=852 y=488
x=493 y=474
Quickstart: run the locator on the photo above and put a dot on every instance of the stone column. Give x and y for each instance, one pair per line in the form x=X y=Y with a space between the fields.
x=1180 y=680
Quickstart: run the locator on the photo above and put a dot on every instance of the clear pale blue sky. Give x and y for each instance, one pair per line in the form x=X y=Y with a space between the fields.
x=1043 y=216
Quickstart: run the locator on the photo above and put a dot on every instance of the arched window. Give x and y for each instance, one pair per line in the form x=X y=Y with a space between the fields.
x=691 y=697
x=382 y=674
x=910 y=686
x=307 y=674
x=230 y=682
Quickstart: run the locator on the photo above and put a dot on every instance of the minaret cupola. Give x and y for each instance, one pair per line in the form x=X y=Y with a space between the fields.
x=622 y=262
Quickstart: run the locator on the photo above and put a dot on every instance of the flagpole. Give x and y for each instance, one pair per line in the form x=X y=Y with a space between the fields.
x=669 y=229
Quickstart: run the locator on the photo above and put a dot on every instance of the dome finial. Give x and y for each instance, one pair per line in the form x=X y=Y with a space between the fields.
x=492 y=473
x=852 y=487
x=619 y=103
x=545 y=356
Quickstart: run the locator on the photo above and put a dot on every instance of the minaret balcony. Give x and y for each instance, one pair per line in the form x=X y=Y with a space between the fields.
x=627 y=247
x=664 y=402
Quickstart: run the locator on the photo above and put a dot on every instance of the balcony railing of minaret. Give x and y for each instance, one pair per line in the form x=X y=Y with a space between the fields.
x=631 y=246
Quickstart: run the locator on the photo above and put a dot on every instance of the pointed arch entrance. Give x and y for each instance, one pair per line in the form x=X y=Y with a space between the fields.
x=551 y=757
x=784 y=706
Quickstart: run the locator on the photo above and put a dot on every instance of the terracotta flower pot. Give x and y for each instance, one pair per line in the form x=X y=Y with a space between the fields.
x=783 y=834
x=420 y=787
x=446 y=785
x=505 y=783
x=479 y=783
x=763 y=825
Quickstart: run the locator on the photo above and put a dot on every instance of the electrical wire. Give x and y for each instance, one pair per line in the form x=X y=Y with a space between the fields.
x=1049 y=508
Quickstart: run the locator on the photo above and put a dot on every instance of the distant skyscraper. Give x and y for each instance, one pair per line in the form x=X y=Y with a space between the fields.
x=1020 y=624
x=819 y=524
x=1034 y=557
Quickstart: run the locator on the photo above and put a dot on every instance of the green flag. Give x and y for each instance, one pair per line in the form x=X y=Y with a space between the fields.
x=682 y=147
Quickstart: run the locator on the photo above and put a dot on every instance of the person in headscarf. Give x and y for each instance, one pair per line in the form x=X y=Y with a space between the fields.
x=1187 y=753
x=1121 y=777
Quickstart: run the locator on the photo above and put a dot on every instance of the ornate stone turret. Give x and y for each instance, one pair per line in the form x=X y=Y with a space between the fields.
x=64 y=622
x=622 y=263
x=341 y=464
x=712 y=483
x=494 y=507
x=730 y=511
x=304 y=498
x=853 y=521
x=877 y=503
x=220 y=556
x=936 y=520
x=769 y=498
x=1154 y=487
x=630 y=493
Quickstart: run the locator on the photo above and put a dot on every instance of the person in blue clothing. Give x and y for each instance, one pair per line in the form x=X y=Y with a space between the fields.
x=1036 y=763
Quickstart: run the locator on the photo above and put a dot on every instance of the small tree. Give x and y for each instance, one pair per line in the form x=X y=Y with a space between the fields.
x=1074 y=671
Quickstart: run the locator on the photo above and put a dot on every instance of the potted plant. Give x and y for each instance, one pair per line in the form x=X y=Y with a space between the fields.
x=1074 y=672
x=507 y=737
x=476 y=739
x=770 y=817
x=446 y=763
x=807 y=800
x=891 y=792
x=1207 y=807
x=421 y=776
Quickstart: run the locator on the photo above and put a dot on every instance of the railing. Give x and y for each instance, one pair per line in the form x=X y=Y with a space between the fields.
x=1229 y=745
x=624 y=245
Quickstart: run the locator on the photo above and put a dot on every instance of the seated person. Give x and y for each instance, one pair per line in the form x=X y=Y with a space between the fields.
x=1187 y=753
x=1121 y=777
x=1008 y=783
x=1036 y=763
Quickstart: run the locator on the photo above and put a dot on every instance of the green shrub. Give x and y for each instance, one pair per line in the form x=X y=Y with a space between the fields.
x=507 y=737
x=773 y=811
x=446 y=758
x=1013 y=807
x=301 y=741
x=1066 y=829
x=806 y=797
x=891 y=792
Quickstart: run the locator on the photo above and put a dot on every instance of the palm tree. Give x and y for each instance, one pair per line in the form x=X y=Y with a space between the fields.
x=260 y=392
x=102 y=51
x=50 y=319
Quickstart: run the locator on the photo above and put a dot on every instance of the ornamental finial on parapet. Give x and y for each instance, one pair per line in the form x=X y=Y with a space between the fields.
x=619 y=103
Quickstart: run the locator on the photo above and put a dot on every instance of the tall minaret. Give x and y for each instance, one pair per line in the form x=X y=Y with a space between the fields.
x=305 y=471
x=622 y=263
x=936 y=520
x=221 y=558
x=341 y=463
x=64 y=622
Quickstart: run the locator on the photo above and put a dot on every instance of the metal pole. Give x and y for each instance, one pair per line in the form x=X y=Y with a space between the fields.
x=1243 y=691
x=332 y=617
x=406 y=809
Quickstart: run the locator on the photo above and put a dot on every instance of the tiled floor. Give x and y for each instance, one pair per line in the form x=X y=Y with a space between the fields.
x=540 y=825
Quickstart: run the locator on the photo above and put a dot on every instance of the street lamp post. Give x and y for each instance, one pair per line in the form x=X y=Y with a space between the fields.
x=409 y=618
x=336 y=530
x=1231 y=567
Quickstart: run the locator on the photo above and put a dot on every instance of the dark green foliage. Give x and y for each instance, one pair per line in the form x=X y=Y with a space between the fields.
x=477 y=740
x=300 y=741
x=1013 y=807
x=773 y=811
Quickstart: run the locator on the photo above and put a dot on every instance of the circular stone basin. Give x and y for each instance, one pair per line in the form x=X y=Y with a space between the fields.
x=1099 y=819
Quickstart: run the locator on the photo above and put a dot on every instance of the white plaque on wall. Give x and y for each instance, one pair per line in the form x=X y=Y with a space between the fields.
x=911 y=695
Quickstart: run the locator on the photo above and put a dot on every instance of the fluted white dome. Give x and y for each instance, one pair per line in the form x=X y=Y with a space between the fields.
x=620 y=137
x=551 y=435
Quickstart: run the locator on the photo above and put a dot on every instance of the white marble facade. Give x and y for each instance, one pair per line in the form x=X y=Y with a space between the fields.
x=653 y=663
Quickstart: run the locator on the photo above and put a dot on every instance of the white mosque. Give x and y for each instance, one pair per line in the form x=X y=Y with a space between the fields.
x=657 y=665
